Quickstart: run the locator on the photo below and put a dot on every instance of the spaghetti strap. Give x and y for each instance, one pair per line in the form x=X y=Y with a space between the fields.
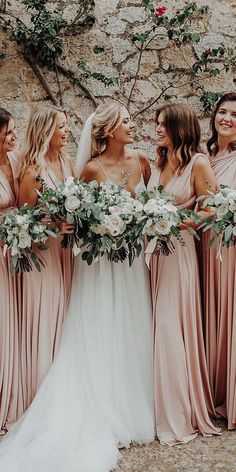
x=102 y=168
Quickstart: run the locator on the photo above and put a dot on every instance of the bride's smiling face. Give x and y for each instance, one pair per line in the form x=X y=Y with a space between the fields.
x=124 y=131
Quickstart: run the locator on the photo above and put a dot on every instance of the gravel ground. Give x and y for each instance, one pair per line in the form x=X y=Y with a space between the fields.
x=214 y=454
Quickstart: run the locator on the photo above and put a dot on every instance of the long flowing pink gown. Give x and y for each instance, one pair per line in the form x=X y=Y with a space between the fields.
x=182 y=391
x=45 y=298
x=220 y=308
x=10 y=385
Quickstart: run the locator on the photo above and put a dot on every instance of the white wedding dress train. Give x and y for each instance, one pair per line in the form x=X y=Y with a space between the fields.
x=99 y=392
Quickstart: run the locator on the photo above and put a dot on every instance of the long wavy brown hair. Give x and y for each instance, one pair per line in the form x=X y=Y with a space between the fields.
x=212 y=143
x=184 y=131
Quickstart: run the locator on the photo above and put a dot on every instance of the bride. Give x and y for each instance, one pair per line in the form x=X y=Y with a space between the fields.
x=98 y=395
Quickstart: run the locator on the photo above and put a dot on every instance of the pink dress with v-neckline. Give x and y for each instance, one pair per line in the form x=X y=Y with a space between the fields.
x=45 y=301
x=219 y=295
x=10 y=381
x=181 y=385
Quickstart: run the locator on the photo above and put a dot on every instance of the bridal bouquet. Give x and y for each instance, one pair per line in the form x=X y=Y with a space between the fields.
x=161 y=221
x=71 y=201
x=113 y=230
x=222 y=221
x=20 y=230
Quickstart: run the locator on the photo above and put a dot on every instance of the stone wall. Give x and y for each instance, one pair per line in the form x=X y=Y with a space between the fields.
x=115 y=21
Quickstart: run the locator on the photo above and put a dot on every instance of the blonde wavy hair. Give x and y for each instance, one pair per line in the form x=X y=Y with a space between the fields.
x=39 y=132
x=106 y=119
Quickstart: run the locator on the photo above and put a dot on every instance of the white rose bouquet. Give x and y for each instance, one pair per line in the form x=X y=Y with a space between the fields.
x=112 y=229
x=161 y=221
x=20 y=230
x=71 y=201
x=222 y=221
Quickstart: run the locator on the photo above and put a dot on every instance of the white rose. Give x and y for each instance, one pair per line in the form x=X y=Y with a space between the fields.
x=115 y=224
x=24 y=239
x=222 y=210
x=234 y=230
x=100 y=229
x=72 y=203
x=151 y=207
x=162 y=227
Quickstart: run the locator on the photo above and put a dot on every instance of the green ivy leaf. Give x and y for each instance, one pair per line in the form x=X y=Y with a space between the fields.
x=98 y=49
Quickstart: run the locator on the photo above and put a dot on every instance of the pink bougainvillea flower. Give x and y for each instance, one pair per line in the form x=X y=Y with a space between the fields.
x=160 y=11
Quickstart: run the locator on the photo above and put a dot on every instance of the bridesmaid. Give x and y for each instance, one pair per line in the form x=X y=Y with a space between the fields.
x=10 y=393
x=219 y=277
x=182 y=390
x=45 y=293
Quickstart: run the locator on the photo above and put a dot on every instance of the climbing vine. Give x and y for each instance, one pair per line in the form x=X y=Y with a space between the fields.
x=179 y=29
x=41 y=38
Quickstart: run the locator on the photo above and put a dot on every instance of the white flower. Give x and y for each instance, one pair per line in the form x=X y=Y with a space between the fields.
x=69 y=181
x=53 y=208
x=222 y=210
x=234 y=230
x=138 y=206
x=232 y=207
x=162 y=227
x=22 y=219
x=72 y=203
x=100 y=229
x=115 y=224
x=38 y=229
x=170 y=207
x=70 y=190
x=24 y=239
x=231 y=196
x=220 y=199
x=152 y=207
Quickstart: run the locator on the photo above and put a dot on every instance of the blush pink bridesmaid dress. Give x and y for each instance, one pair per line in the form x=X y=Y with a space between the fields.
x=183 y=398
x=45 y=297
x=220 y=308
x=10 y=381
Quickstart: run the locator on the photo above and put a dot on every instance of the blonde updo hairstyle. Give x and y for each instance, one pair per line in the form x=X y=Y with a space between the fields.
x=106 y=119
x=41 y=126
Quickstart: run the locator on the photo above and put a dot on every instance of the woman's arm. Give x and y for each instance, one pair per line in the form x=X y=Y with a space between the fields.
x=204 y=182
x=145 y=166
x=27 y=188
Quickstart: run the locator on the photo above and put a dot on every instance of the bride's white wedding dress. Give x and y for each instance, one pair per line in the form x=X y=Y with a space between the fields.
x=99 y=392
